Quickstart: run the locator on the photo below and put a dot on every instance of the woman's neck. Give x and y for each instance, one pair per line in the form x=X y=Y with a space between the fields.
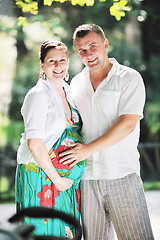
x=58 y=85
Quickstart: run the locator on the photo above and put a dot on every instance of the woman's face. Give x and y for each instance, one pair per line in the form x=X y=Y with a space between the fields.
x=55 y=64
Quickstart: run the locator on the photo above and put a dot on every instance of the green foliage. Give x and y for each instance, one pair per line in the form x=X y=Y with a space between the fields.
x=59 y=21
x=4 y=184
x=148 y=186
x=152 y=117
x=26 y=77
x=118 y=9
x=22 y=21
x=7 y=182
x=150 y=161
x=10 y=133
x=30 y=6
x=83 y=2
x=73 y=2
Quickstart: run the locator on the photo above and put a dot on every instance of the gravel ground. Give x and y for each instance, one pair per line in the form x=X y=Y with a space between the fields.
x=153 y=201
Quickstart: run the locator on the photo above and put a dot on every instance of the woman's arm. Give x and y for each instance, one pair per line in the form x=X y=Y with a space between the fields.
x=41 y=156
x=117 y=132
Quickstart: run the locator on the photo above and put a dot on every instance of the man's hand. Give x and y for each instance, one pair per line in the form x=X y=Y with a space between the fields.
x=77 y=153
x=117 y=132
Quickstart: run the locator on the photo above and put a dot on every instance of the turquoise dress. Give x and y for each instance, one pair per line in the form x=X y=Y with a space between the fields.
x=34 y=188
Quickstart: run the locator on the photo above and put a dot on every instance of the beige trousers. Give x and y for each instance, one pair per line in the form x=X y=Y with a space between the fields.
x=120 y=202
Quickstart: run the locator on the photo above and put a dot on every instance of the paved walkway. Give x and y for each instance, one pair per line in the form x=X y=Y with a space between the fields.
x=152 y=197
x=153 y=200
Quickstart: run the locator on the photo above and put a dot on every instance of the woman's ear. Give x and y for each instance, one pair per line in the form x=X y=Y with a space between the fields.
x=42 y=65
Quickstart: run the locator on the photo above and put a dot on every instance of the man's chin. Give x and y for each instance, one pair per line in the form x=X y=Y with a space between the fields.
x=93 y=67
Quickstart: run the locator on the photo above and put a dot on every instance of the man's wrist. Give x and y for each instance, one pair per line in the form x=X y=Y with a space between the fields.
x=90 y=149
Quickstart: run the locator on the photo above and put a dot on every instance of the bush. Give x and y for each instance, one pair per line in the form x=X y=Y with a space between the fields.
x=10 y=133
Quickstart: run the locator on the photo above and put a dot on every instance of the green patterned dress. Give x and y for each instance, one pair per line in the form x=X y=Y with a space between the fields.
x=34 y=188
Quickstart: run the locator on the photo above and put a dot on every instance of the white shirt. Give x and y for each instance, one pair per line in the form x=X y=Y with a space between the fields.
x=44 y=117
x=122 y=92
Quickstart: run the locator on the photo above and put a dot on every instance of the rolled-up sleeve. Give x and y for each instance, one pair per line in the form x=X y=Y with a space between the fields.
x=34 y=112
x=133 y=96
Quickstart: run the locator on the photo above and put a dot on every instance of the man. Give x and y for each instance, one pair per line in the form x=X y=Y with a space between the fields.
x=110 y=98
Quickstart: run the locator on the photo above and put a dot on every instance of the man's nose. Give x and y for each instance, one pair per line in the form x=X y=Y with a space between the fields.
x=88 y=53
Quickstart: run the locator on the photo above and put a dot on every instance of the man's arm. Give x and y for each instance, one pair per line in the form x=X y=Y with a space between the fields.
x=117 y=132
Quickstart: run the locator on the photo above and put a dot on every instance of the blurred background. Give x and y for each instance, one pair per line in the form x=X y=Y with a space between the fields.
x=134 y=41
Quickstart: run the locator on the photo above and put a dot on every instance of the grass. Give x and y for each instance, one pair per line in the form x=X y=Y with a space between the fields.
x=148 y=186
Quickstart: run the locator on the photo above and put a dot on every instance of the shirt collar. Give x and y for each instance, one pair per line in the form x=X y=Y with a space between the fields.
x=115 y=67
x=50 y=85
x=114 y=71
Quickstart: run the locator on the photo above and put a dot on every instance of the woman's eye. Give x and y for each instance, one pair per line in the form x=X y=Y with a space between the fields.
x=93 y=46
x=51 y=61
x=63 y=60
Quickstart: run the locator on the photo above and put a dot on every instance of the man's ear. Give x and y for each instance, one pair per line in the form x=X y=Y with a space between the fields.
x=106 y=43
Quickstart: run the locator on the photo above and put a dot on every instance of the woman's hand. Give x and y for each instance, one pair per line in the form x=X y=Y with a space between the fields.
x=40 y=153
x=63 y=183
x=77 y=153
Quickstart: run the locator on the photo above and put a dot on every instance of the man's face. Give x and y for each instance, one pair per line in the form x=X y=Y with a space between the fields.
x=92 y=50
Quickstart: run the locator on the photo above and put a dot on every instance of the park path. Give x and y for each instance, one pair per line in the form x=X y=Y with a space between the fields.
x=153 y=201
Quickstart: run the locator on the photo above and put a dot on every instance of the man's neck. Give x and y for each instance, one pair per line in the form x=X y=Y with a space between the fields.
x=98 y=75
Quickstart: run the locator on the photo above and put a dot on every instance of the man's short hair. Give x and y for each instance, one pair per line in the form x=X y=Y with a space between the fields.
x=84 y=29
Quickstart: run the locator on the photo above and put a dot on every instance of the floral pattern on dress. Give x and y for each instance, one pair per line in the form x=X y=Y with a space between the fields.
x=69 y=234
x=78 y=198
x=34 y=188
x=48 y=195
x=75 y=117
x=67 y=140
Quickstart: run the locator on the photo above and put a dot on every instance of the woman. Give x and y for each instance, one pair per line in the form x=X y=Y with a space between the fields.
x=50 y=121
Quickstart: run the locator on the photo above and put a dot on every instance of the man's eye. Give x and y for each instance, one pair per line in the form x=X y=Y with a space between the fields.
x=51 y=61
x=83 y=51
x=93 y=46
x=62 y=60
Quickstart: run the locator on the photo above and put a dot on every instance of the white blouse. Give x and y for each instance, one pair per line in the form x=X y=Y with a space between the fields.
x=44 y=117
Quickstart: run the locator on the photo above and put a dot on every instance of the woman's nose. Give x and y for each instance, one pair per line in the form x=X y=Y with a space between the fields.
x=56 y=64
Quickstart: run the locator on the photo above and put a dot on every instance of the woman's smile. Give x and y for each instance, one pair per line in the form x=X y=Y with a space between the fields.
x=58 y=72
x=56 y=64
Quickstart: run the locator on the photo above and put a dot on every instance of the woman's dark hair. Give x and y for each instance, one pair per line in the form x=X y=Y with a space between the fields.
x=46 y=46
x=84 y=29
